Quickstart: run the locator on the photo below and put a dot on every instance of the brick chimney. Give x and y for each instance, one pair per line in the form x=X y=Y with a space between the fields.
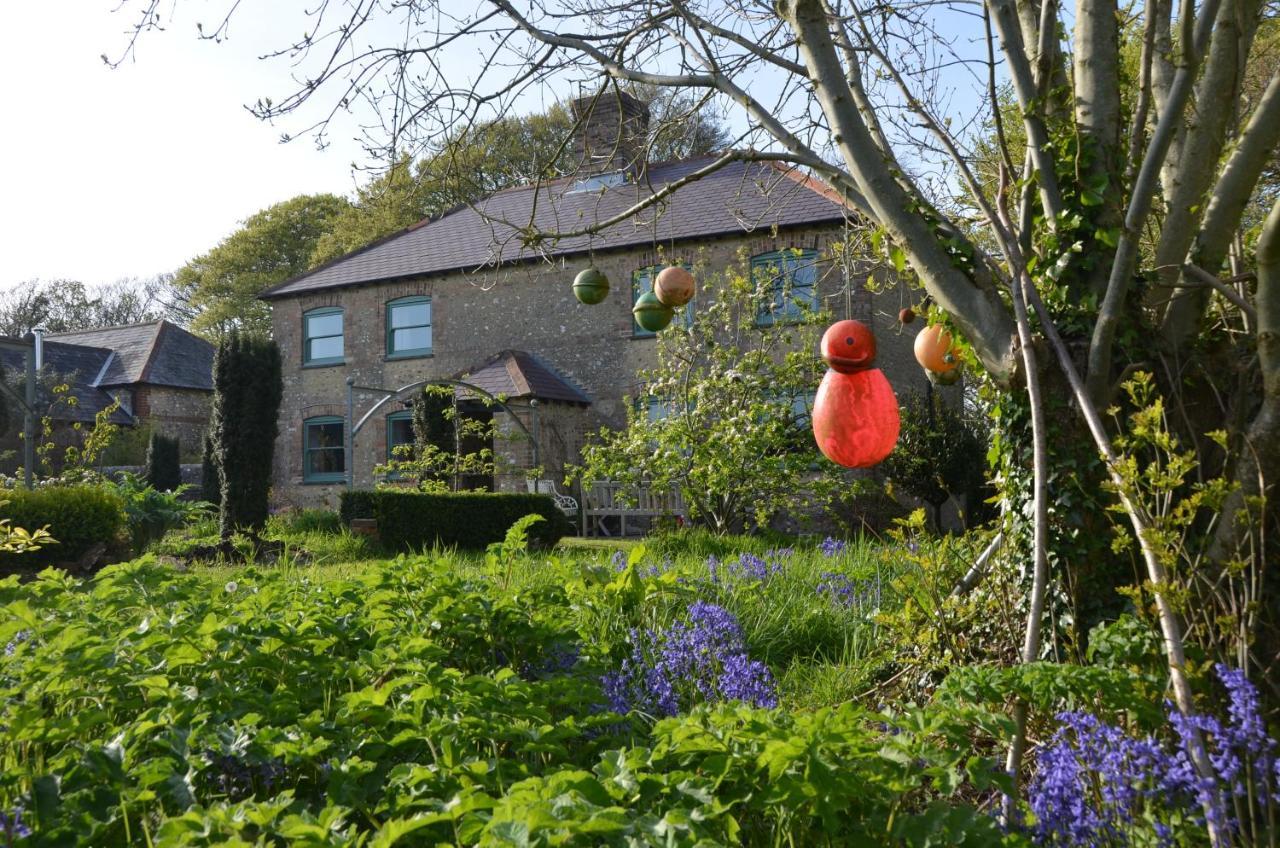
x=613 y=128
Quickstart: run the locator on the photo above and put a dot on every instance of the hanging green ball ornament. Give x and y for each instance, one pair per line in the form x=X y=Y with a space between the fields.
x=651 y=313
x=591 y=286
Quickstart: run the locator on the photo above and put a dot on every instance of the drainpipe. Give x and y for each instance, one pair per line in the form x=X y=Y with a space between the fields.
x=349 y=441
x=29 y=416
x=533 y=405
x=39 y=332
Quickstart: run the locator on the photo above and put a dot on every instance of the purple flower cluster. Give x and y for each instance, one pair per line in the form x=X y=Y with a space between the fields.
x=1093 y=781
x=559 y=658
x=239 y=777
x=843 y=592
x=832 y=547
x=704 y=659
x=18 y=638
x=12 y=827
x=750 y=567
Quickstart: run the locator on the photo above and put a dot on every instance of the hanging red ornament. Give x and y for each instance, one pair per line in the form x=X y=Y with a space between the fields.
x=855 y=415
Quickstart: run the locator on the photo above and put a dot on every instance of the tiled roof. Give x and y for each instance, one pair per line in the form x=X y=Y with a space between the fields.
x=515 y=373
x=158 y=353
x=739 y=198
x=79 y=366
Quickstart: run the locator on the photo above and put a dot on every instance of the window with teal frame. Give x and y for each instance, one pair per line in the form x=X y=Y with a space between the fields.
x=790 y=281
x=323 y=450
x=409 y=327
x=641 y=282
x=322 y=336
x=399 y=432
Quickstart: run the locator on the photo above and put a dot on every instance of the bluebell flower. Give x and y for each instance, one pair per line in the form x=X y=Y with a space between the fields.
x=18 y=638
x=11 y=825
x=831 y=547
x=619 y=560
x=703 y=659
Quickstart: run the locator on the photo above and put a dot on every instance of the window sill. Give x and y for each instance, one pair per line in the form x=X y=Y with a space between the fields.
x=396 y=357
x=335 y=482
x=325 y=363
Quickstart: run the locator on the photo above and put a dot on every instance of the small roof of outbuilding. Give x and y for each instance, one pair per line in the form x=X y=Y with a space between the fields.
x=739 y=198
x=519 y=374
x=80 y=366
x=157 y=353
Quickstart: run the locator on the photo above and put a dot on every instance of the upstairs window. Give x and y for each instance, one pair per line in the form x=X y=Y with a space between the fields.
x=322 y=336
x=409 y=327
x=789 y=279
x=641 y=282
x=324 y=457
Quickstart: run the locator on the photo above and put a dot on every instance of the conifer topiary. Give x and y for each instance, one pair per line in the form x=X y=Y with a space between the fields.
x=246 y=405
x=164 y=468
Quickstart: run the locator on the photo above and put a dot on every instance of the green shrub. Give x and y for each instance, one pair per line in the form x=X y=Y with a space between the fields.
x=210 y=481
x=411 y=520
x=79 y=517
x=310 y=521
x=151 y=512
x=164 y=468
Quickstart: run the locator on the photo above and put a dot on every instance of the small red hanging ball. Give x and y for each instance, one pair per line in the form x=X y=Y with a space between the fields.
x=848 y=346
x=906 y=316
x=855 y=418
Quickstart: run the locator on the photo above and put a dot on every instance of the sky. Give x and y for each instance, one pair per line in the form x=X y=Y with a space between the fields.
x=131 y=172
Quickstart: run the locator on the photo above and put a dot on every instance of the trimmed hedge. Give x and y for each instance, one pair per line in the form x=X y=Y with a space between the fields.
x=472 y=520
x=164 y=466
x=78 y=517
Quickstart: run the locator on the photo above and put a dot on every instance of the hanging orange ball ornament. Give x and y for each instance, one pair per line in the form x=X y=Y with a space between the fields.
x=935 y=350
x=674 y=286
x=855 y=414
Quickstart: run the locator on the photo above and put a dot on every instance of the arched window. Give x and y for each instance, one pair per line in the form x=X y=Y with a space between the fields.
x=324 y=450
x=409 y=327
x=790 y=281
x=641 y=282
x=322 y=336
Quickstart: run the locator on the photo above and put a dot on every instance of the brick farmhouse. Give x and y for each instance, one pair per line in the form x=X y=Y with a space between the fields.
x=464 y=296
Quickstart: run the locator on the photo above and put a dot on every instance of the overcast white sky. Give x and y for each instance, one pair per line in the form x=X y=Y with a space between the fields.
x=108 y=174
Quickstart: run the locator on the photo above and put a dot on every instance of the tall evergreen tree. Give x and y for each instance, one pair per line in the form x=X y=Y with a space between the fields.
x=210 y=480
x=164 y=469
x=246 y=405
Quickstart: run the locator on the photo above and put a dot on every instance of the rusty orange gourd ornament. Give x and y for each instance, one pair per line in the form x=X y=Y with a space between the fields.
x=855 y=415
x=935 y=350
x=674 y=286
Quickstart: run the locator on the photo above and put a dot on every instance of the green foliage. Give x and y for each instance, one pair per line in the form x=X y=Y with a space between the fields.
x=724 y=415
x=222 y=286
x=469 y=520
x=18 y=540
x=413 y=703
x=246 y=405
x=153 y=512
x=80 y=517
x=164 y=468
x=940 y=453
x=310 y=521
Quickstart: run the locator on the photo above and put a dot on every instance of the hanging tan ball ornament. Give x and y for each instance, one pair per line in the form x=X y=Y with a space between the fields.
x=674 y=286
x=935 y=350
x=591 y=286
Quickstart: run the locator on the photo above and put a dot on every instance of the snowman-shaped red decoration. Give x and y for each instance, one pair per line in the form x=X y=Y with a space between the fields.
x=855 y=415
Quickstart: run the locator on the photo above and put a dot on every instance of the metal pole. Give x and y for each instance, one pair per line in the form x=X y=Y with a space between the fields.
x=29 y=422
x=350 y=440
x=533 y=405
